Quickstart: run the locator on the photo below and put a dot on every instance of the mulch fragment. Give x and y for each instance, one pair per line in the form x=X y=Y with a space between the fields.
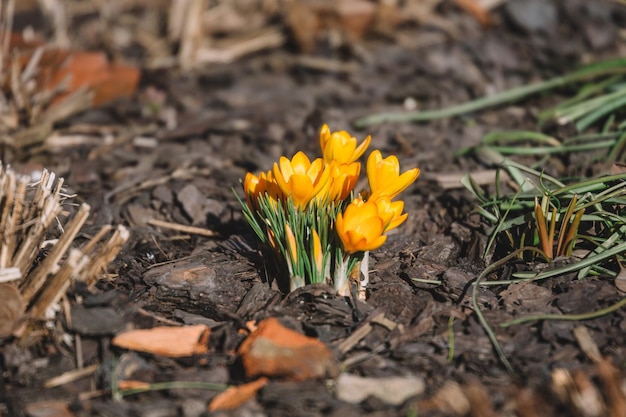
x=274 y=350
x=173 y=342
x=233 y=397
x=390 y=390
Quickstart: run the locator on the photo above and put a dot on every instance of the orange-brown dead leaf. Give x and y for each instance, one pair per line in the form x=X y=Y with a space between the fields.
x=93 y=70
x=173 y=342
x=63 y=72
x=121 y=82
x=233 y=397
x=274 y=350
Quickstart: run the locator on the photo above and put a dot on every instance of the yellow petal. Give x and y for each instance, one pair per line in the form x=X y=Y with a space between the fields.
x=285 y=166
x=360 y=150
x=301 y=189
x=390 y=212
x=324 y=136
x=397 y=221
x=280 y=179
x=300 y=163
x=372 y=169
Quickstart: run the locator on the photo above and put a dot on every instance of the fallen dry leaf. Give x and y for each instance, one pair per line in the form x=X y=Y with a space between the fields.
x=274 y=350
x=93 y=70
x=60 y=74
x=174 y=342
x=233 y=397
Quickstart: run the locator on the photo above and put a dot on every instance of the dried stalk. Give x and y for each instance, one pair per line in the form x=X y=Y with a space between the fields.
x=27 y=213
x=49 y=265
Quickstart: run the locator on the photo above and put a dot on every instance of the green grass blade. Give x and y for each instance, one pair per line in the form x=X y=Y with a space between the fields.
x=605 y=68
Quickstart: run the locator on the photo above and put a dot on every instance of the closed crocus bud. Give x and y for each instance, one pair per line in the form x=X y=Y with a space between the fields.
x=318 y=254
x=340 y=146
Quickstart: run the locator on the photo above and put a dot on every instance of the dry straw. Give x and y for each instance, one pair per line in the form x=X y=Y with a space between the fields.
x=38 y=254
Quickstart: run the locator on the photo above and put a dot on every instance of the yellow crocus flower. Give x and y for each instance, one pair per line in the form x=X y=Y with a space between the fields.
x=301 y=179
x=360 y=228
x=340 y=146
x=384 y=175
x=390 y=212
x=343 y=179
x=256 y=186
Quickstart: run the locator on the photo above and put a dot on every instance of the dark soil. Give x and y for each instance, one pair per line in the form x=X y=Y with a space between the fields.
x=176 y=150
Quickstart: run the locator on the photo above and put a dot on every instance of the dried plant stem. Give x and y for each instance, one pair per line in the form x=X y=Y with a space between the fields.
x=26 y=217
x=105 y=254
x=6 y=27
x=50 y=264
x=182 y=228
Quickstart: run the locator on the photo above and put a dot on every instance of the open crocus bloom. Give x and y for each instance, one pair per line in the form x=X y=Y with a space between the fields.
x=315 y=224
x=343 y=179
x=340 y=146
x=384 y=175
x=300 y=178
x=390 y=212
x=360 y=228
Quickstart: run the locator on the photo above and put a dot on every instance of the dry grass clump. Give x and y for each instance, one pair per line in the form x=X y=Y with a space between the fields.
x=38 y=256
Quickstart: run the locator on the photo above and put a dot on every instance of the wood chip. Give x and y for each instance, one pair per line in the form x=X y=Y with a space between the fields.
x=391 y=390
x=182 y=228
x=174 y=342
x=587 y=344
x=233 y=397
x=274 y=350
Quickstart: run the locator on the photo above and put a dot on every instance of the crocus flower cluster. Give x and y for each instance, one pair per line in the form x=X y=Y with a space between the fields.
x=316 y=225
